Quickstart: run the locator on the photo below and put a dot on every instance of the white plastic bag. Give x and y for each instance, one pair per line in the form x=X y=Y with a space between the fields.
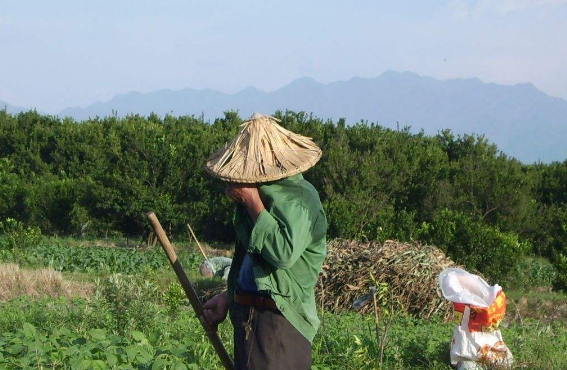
x=460 y=286
x=479 y=308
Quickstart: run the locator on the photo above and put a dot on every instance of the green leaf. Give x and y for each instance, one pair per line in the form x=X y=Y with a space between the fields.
x=71 y=351
x=29 y=330
x=144 y=356
x=160 y=363
x=131 y=352
x=16 y=349
x=99 y=364
x=98 y=334
x=139 y=336
x=111 y=359
x=179 y=366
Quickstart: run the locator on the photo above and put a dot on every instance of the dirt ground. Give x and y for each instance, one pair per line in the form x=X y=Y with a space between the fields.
x=541 y=305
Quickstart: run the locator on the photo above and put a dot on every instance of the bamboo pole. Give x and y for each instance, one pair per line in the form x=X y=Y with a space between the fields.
x=190 y=291
x=201 y=248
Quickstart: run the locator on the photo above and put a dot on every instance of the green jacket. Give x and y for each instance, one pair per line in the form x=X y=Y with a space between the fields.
x=287 y=245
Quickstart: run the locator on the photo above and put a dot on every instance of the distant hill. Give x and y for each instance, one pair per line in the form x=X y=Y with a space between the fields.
x=523 y=121
x=10 y=108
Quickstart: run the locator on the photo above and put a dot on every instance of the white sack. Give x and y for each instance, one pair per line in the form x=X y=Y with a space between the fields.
x=486 y=347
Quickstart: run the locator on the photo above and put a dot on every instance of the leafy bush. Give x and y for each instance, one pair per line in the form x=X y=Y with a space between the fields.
x=530 y=274
x=174 y=297
x=561 y=281
x=474 y=244
x=100 y=176
x=131 y=303
x=14 y=235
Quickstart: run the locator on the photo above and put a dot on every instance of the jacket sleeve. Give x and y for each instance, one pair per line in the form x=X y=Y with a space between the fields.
x=281 y=237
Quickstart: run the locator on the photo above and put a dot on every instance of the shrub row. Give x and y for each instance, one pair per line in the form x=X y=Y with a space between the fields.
x=100 y=176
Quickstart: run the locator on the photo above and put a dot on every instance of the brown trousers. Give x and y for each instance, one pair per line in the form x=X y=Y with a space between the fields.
x=264 y=339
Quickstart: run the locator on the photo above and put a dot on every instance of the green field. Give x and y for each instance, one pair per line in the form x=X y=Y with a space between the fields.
x=129 y=313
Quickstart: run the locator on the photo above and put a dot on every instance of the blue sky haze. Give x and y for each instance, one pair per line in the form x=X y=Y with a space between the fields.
x=73 y=53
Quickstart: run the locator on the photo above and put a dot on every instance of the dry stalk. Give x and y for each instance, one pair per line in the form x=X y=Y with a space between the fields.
x=15 y=282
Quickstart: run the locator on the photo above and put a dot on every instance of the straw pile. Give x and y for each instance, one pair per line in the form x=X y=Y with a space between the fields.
x=409 y=269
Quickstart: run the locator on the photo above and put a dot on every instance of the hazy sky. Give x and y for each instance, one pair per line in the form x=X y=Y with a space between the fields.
x=55 y=54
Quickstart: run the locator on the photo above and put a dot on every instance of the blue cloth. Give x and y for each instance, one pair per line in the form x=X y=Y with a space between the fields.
x=246 y=280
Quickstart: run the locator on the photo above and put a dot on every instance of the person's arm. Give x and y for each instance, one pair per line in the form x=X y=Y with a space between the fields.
x=281 y=238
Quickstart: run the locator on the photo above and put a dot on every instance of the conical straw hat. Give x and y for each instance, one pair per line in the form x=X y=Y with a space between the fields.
x=263 y=151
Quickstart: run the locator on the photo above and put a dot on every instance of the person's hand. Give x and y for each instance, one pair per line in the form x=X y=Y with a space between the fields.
x=247 y=195
x=215 y=310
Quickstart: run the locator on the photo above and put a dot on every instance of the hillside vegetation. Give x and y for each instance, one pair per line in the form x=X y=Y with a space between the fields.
x=98 y=177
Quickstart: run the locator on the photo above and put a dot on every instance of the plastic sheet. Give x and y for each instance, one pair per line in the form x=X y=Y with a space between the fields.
x=460 y=286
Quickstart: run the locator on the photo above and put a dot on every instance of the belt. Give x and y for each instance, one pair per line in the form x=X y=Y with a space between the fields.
x=255 y=300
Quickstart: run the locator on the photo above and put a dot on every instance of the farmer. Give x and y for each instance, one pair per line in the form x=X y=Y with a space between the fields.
x=280 y=246
x=216 y=266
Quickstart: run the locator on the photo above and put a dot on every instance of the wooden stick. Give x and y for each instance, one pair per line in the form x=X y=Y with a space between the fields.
x=190 y=291
x=201 y=248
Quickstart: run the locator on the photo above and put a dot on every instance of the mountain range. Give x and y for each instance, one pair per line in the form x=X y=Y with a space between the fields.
x=523 y=121
x=11 y=109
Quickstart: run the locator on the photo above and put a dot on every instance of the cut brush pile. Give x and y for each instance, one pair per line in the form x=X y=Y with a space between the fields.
x=409 y=269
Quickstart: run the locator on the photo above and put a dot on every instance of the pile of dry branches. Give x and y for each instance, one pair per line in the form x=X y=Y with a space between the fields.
x=410 y=271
